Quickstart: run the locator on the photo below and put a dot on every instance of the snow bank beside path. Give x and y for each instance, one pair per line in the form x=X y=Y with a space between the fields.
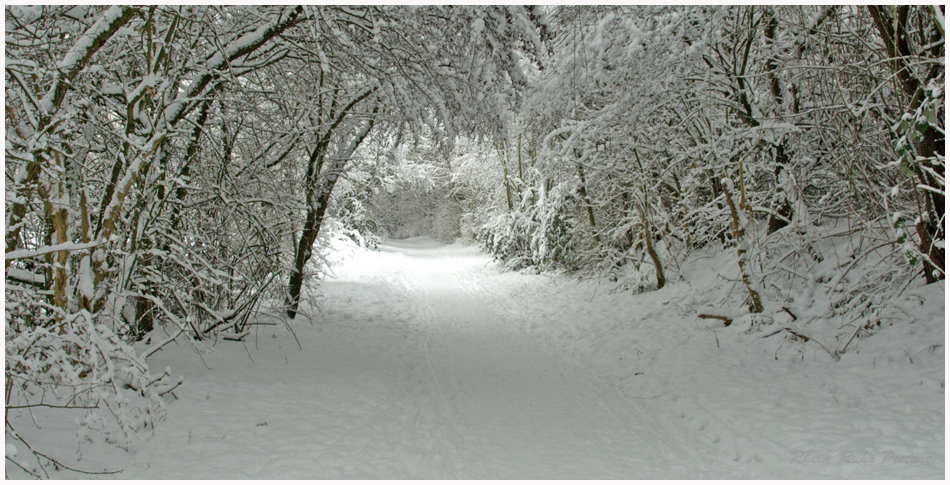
x=755 y=405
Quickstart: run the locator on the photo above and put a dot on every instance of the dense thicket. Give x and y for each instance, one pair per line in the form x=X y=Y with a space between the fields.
x=652 y=131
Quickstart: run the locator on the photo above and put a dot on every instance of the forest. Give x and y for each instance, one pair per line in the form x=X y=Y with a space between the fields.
x=175 y=172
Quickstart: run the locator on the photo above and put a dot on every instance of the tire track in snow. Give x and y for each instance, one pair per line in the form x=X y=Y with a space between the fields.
x=410 y=285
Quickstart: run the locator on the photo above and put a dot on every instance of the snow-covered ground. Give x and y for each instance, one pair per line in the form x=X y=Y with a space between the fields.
x=428 y=361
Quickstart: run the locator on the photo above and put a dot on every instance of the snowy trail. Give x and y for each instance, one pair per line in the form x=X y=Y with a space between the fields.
x=502 y=407
x=426 y=361
x=414 y=368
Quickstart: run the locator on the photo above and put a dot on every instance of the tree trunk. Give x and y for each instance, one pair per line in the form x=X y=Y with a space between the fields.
x=503 y=155
x=590 y=208
x=931 y=146
x=738 y=232
x=87 y=46
x=648 y=238
x=316 y=211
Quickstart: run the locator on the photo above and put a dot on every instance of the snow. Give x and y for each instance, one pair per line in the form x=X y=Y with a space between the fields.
x=428 y=361
x=81 y=50
x=87 y=286
x=67 y=246
x=727 y=183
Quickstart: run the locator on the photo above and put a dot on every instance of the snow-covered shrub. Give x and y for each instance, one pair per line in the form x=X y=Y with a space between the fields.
x=131 y=205
x=353 y=203
x=69 y=361
x=539 y=233
x=812 y=164
x=353 y=215
x=502 y=237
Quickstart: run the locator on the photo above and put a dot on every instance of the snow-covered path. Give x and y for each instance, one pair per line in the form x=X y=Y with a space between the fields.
x=414 y=368
x=427 y=361
x=492 y=403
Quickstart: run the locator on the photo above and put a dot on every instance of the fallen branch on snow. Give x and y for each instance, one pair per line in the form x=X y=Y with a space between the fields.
x=725 y=320
x=236 y=337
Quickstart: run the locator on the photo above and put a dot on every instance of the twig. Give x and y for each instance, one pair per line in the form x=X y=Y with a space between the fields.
x=51 y=406
x=249 y=353
x=654 y=397
x=806 y=338
x=17 y=436
x=855 y=334
x=180 y=381
x=803 y=337
x=24 y=469
x=725 y=320
x=26 y=253
x=159 y=346
x=164 y=374
x=194 y=347
x=794 y=317
x=236 y=337
x=77 y=470
x=287 y=324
